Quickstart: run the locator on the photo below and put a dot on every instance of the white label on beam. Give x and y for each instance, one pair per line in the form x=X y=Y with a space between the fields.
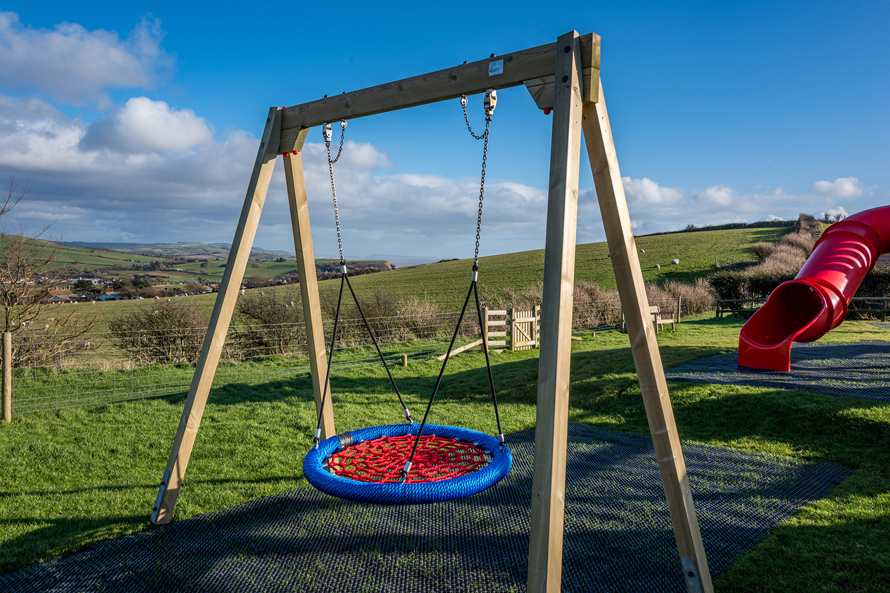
x=495 y=68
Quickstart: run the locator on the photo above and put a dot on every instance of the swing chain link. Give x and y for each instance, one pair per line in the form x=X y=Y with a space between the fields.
x=328 y=135
x=491 y=99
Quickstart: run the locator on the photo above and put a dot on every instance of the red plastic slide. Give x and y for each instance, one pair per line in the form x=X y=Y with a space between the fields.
x=815 y=302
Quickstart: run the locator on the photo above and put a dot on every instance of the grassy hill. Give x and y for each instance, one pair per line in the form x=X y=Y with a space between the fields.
x=83 y=258
x=447 y=282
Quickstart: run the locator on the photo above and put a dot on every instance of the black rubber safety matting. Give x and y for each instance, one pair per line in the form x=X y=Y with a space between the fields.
x=617 y=531
x=852 y=369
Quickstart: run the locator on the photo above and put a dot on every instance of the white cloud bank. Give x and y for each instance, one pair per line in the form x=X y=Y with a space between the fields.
x=142 y=126
x=645 y=192
x=76 y=66
x=842 y=187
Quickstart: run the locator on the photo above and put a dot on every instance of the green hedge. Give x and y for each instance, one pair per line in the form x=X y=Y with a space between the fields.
x=738 y=285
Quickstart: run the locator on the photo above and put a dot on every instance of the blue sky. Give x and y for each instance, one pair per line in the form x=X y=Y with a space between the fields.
x=138 y=121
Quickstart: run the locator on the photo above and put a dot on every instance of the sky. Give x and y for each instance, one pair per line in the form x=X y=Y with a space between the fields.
x=139 y=121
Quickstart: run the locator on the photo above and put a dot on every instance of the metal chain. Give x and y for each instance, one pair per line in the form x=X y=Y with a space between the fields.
x=481 y=193
x=326 y=132
x=490 y=101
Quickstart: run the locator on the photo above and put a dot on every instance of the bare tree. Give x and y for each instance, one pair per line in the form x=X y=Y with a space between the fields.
x=26 y=271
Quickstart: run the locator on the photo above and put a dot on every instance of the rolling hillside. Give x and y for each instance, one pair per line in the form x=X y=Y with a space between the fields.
x=447 y=282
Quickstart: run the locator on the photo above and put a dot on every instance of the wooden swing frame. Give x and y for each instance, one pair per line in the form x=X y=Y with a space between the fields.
x=564 y=77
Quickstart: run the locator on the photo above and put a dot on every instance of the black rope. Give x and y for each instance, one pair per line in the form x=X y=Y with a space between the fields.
x=494 y=397
x=426 y=414
x=379 y=353
x=327 y=375
x=472 y=291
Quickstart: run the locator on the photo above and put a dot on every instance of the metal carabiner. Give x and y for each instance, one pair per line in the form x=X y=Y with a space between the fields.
x=491 y=100
x=328 y=134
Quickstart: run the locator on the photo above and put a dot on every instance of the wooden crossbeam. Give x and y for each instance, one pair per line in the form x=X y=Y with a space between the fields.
x=450 y=83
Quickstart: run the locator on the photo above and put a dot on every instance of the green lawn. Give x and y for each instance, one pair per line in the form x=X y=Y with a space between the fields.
x=80 y=475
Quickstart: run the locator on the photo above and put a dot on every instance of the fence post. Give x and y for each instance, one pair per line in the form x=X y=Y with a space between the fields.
x=7 y=376
x=511 y=331
x=679 y=308
x=485 y=327
x=404 y=360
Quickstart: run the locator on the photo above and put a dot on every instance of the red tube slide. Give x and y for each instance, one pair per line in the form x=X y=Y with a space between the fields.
x=815 y=302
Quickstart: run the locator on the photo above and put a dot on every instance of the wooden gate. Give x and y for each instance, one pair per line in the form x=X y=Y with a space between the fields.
x=524 y=328
x=519 y=330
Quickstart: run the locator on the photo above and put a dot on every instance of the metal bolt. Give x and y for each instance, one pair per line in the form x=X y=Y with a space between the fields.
x=568 y=49
x=454 y=77
x=565 y=78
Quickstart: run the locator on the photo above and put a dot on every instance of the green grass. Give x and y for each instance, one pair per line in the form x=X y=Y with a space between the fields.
x=81 y=475
x=447 y=282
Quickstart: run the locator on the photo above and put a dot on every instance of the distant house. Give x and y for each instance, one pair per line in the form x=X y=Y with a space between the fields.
x=58 y=295
x=109 y=296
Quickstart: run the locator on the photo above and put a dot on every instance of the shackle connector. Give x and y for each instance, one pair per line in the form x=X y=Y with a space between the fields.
x=328 y=134
x=491 y=100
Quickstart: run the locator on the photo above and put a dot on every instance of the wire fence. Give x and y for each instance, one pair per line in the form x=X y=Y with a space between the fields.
x=102 y=368
x=52 y=371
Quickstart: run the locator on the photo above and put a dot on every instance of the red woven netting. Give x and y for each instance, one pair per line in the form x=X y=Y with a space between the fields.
x=383 y=459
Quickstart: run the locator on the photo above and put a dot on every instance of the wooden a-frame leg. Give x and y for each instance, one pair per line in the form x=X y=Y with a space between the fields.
x=219 y=321
x=299 y=215
x=551 y=427
x=635 y=304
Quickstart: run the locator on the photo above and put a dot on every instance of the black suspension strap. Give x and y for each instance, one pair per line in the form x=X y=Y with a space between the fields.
x=344 y=279
x=490 y=102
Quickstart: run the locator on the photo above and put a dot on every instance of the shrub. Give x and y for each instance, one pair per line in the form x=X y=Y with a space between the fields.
x=729 y=285
x=876 y=283
x=273 y=323
x=802 y=241
x=594 y=306
x=48 y=340
x=381 y=310
x=172 y=331
x=425 y=319
x=761 y=250
x=695 y=298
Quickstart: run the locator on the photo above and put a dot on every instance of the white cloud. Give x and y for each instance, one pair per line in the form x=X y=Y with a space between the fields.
x=719 y=195
x=75 y=65
x=842 y=187
x=645 y=192
x=143 y=126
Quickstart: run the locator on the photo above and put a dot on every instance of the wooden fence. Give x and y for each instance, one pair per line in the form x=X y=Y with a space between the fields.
x=878 y=307
x=518 y=330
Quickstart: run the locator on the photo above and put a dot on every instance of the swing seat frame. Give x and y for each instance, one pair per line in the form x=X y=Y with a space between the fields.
x=411 y=492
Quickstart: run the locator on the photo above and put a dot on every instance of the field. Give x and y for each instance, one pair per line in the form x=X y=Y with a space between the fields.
x=97 y=480
x=447 y=282
x=213 y=270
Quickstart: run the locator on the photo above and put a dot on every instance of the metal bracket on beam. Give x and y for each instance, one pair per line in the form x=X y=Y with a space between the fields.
x=690 y=573
x=161 y=492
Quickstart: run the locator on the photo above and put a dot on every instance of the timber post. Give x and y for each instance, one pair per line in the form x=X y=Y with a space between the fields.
x=7 y=376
